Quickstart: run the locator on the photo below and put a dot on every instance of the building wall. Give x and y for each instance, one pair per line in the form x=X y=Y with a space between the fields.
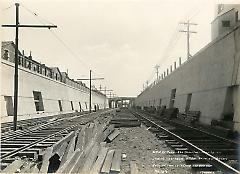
x=208 y=76
x=51 y=91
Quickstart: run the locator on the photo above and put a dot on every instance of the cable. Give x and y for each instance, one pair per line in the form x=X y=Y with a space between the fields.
x=43 y=21
x=7 y=8
x=68 y=48
x=39 y=18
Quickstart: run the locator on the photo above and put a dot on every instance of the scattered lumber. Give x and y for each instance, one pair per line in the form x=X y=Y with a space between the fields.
x=108 y=162
x=69 y=151
x=113 y=135
x=133 y=167
x=83 y=151
x=127 y=124
x=125 y=121
x=13 y=167
x=65 y=139
x=116 y=162
x=99 y=162
x=45 y=162
x=34 y=169
x=90 y=159
x=27 y=167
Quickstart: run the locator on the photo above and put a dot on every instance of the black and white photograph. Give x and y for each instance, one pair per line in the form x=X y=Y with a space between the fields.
x=120 y=86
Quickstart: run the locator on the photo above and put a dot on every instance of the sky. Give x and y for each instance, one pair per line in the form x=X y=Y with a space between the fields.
x=119 y=40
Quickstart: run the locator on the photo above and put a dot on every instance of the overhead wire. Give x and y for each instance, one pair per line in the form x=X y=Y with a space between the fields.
x=44 y=21
x=175 y=37
x=64 y=44
x=7 y=8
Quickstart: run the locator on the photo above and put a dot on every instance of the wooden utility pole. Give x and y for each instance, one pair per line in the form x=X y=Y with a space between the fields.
x=188 y=36
x=17 y=26
x=90 y=88
x=105 y=92
x=90 y=91
x=157 y=71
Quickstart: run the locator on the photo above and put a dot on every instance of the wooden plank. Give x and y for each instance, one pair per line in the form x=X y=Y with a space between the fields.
x=13 y=167
x=45 y=162
x=90 y=159
x=34 y=169
x=27 y=167
x=113 y=135
x=99 y=162
x=130 y=124
x=81 y=139
x=60 y=152
x=116 y=162
x=69 y=151
x=107 y=131
x=67 y=138
x=107 y=162
x=79 y=162
x=133 y=167
x=67 y=166
x=88 y=134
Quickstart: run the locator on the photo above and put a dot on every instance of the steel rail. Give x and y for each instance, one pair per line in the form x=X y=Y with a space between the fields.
x=24 y=132
x=215 y=161
x=210 y=134
x=16 y=151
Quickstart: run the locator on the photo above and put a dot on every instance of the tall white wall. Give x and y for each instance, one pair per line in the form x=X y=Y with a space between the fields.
x=207 y=76
x=51 y=90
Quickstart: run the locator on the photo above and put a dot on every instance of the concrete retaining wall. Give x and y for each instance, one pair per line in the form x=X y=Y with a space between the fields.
x=211 y=76
x=51 y=91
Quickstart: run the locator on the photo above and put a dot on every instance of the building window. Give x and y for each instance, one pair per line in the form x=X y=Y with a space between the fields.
x=80 y=107
x=72 y=105
x=86 y=105
x=9 y=105
x=188 y=102
x=38 y=101
x=60 y=105
x=6 y=55
x=226 y=23
x=172 y=98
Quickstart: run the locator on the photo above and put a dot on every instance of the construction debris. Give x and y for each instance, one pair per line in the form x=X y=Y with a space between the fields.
x=83 y=151
x=113 y=135
x=133 y=167
x=125 y=120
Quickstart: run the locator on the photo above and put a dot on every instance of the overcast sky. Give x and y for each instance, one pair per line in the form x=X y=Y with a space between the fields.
x=120 y=40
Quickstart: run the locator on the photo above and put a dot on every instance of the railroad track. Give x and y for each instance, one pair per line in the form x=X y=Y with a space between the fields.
x=32 y=142
x=202 y=151
x=34 y=124
x=7 y=128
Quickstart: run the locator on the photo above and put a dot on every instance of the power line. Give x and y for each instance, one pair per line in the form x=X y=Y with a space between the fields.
x=44 y=21
x=176 y=36
x=188 y=31
x=38 y=17
x=7 y=8
x=157 y=71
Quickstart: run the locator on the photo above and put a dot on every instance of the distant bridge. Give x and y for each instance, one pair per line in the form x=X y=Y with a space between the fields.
x=121 y=102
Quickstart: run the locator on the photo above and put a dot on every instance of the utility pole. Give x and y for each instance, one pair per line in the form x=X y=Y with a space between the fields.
x=90 y=91
x=105 y=92
x=90 y=88
x=188 y=24
x=17 y=26
x=157 y=68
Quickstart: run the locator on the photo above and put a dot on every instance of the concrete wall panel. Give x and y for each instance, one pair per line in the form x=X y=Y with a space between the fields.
x=51 y=91
x=207 y=76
